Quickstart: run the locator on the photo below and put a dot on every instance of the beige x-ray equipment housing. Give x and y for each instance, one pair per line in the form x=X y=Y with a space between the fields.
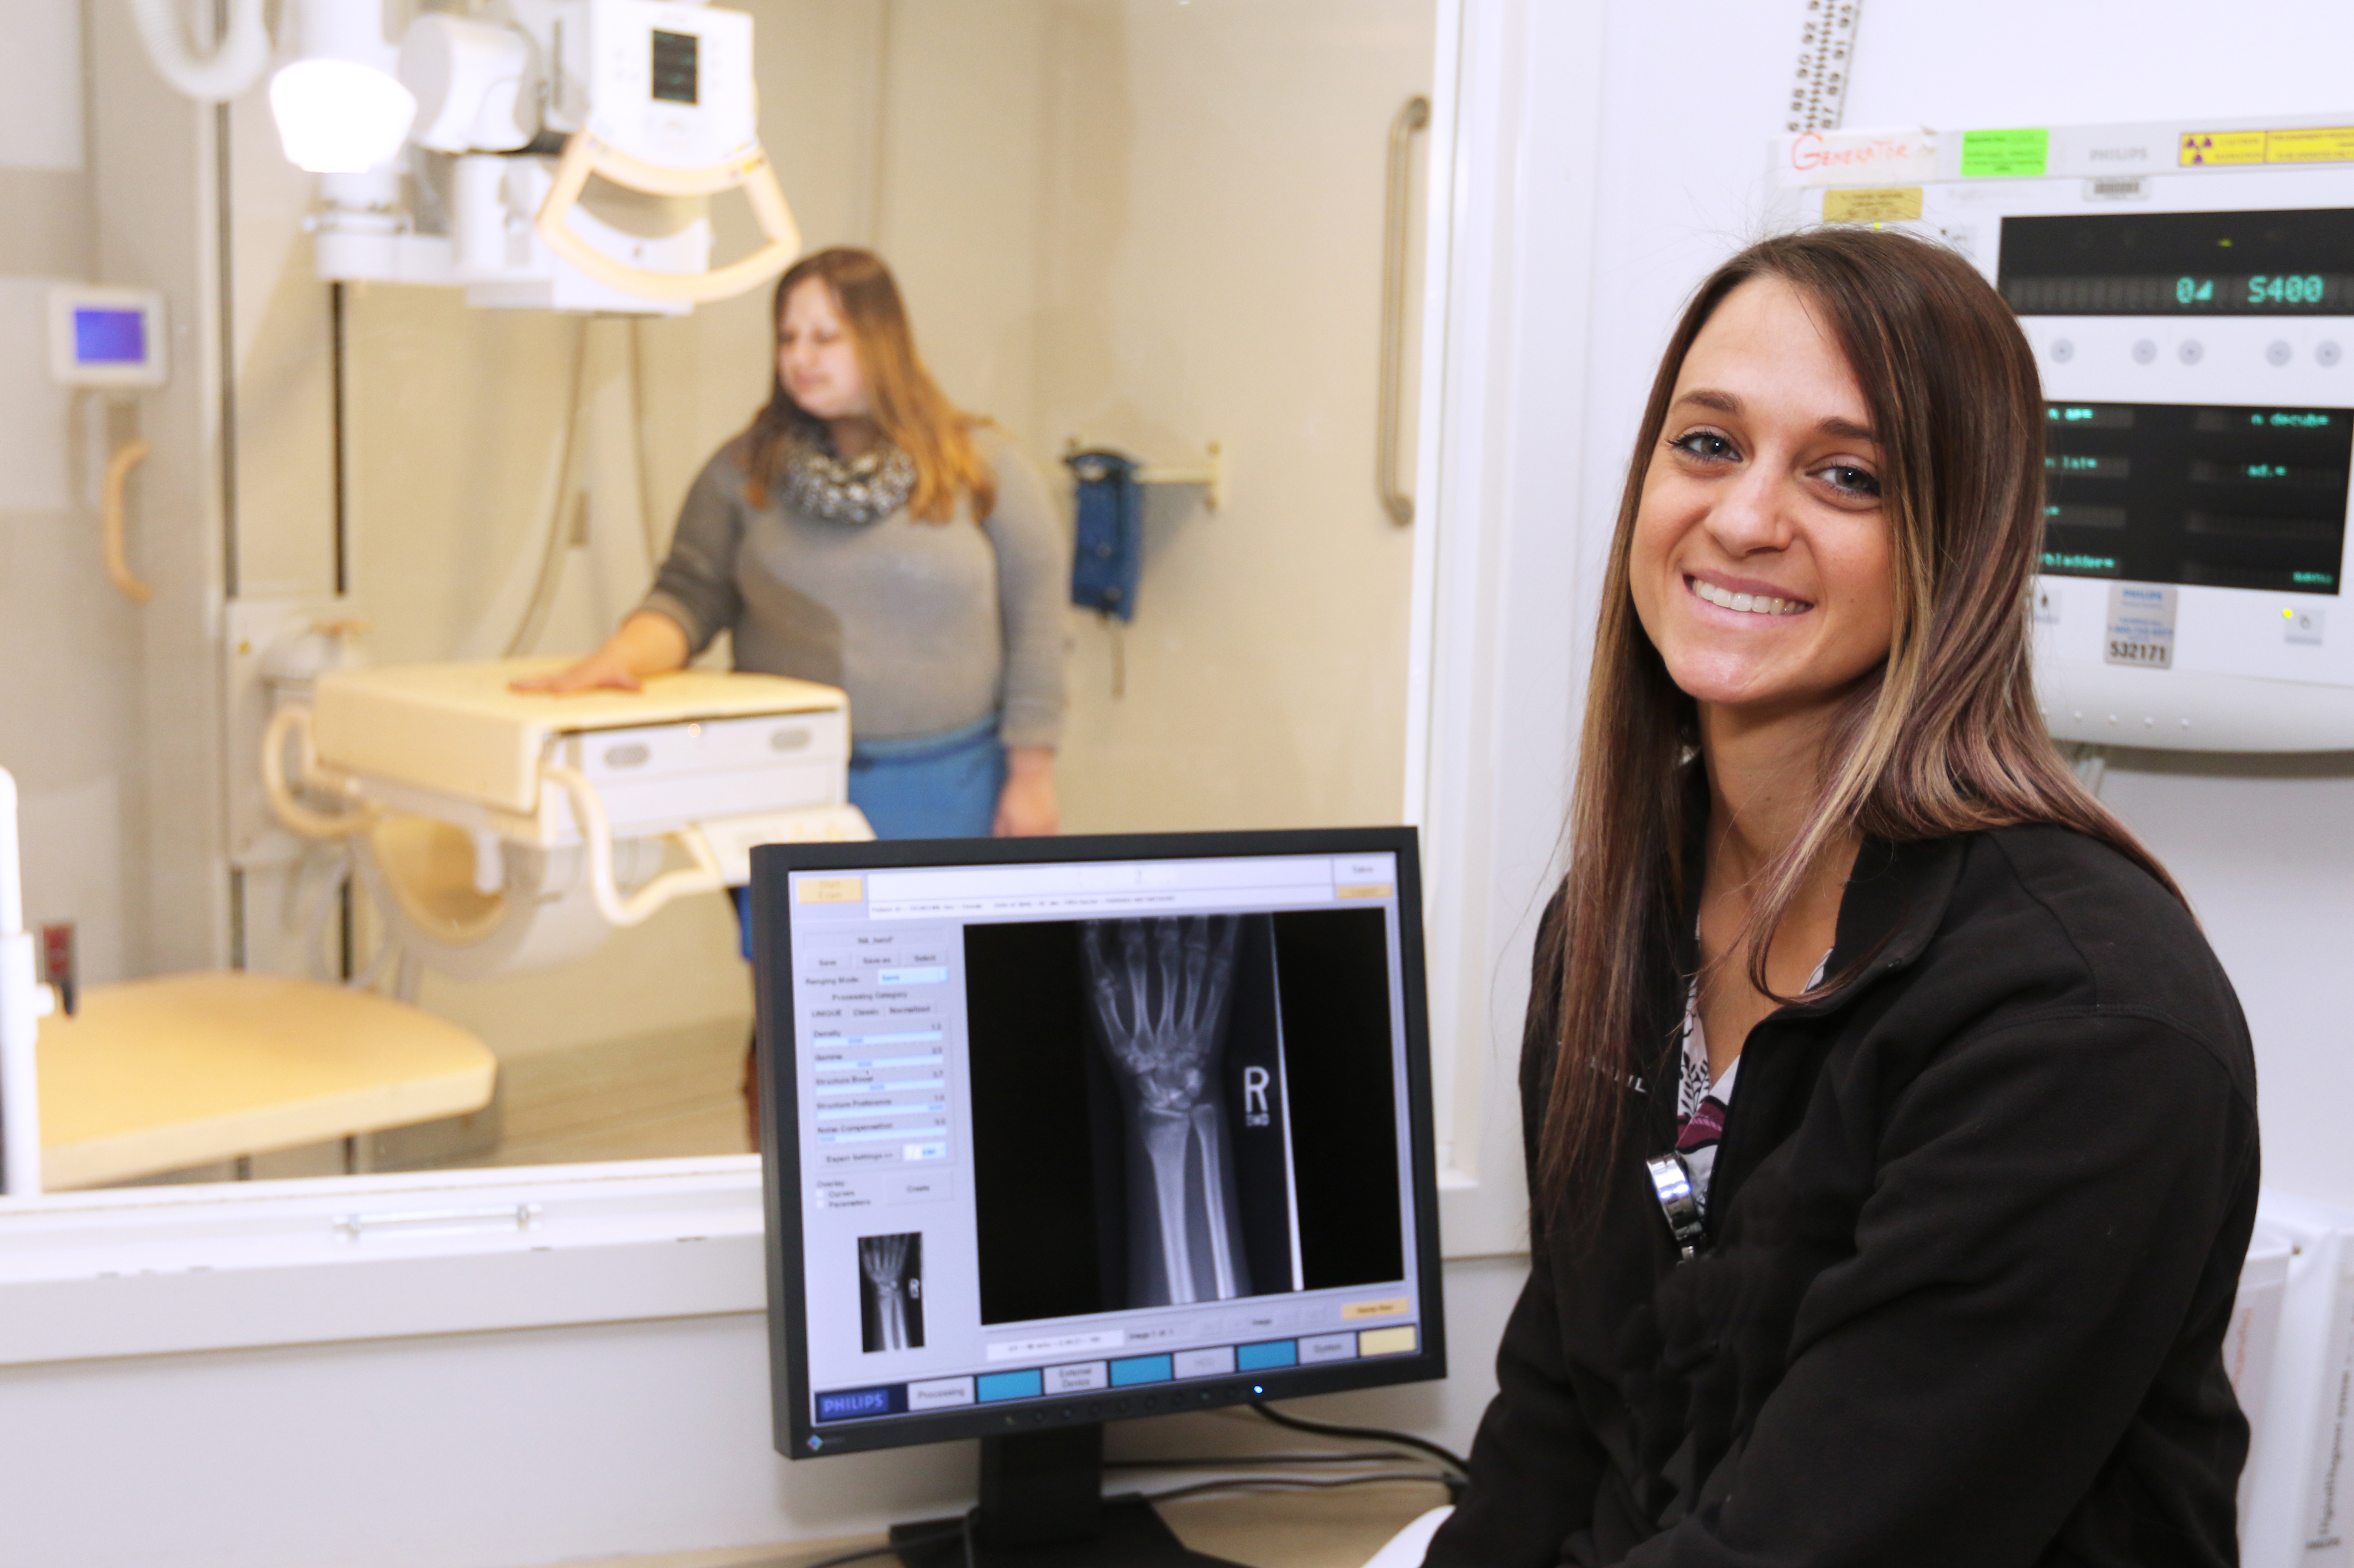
x=498 y=830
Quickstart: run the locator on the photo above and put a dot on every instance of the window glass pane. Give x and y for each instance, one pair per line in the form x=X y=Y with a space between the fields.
x=1156 y=229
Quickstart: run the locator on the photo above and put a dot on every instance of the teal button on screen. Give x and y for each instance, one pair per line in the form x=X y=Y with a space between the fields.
x=1140 y=1369
x=1010 y=1385
x=1273 y=1353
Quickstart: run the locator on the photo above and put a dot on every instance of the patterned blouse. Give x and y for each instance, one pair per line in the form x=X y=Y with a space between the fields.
x=1699 y=1104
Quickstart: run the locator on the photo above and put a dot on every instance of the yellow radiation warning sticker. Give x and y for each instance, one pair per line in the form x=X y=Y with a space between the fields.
x=2310 y=144
x=830 y=889
x=2208 y=149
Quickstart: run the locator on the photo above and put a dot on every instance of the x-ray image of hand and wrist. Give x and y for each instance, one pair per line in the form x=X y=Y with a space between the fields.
x=1161 y=990
x=891 y=1291
x=1176 y=1110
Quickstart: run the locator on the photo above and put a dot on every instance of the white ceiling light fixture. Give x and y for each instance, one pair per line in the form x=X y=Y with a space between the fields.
x=340 y=109
x=337 y=117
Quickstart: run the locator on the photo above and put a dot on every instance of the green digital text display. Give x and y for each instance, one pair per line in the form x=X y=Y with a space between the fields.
x=2204 y=496
x=2291 y=261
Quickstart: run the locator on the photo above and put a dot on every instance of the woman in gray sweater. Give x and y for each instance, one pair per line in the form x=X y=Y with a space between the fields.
x=865 y=534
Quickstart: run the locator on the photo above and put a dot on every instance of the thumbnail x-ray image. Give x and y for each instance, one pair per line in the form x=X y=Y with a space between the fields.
x=1161 y=988
x=891 y=1291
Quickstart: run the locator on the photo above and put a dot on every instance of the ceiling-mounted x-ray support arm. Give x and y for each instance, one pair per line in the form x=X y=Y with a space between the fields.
x=587 y=154
x=234 y=63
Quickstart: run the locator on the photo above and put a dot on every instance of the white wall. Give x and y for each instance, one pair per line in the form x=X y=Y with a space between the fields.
x=509 y=1450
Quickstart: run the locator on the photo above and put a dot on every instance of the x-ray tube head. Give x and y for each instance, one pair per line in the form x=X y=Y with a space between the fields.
x=471 y=81
x=1162 y=991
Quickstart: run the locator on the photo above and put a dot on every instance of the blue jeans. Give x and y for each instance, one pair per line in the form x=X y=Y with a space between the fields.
x=940 y=785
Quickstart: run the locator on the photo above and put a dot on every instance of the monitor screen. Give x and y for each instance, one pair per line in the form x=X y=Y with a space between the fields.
x=1076 y=1130
x=2215 y=497
x=103 y=336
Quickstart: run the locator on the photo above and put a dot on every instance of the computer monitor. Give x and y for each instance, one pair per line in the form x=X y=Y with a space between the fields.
x=1065 y=1131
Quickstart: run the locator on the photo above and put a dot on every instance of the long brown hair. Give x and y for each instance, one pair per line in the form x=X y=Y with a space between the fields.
x=908 y=406
x=1942 y=738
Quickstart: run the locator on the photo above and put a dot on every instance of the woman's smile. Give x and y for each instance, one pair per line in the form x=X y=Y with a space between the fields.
x=1744 y=598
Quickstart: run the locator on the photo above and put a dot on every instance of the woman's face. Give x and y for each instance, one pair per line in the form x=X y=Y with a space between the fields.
x=816 y=357
x=1760 y=559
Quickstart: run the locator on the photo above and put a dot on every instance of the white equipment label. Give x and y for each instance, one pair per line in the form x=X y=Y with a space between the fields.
x=2141 y=626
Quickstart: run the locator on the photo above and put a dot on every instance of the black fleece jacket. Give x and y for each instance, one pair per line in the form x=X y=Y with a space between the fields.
x=1975 y=1230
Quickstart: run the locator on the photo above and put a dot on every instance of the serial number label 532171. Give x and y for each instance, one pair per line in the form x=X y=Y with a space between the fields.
x=2155 y=655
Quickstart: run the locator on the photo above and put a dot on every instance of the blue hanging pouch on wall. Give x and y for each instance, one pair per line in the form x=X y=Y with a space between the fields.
x=1111 y=554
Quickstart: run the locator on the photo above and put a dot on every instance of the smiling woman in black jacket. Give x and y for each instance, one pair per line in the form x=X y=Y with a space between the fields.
x=1955 y=1103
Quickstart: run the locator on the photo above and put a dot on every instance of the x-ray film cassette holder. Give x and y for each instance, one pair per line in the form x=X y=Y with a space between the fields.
x=505 y=830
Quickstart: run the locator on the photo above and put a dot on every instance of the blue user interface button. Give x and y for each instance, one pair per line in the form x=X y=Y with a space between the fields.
x=1142 y=1368
x=1271 y=1353
x=854 y=1404
x=1011 y=1386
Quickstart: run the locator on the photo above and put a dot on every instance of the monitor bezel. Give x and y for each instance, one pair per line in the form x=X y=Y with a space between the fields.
x=793 y=1427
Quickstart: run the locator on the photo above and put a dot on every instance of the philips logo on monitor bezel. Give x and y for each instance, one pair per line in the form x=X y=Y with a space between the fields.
x=863 y=1403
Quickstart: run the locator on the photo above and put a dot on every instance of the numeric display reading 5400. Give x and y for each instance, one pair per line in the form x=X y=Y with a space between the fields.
x=2295 y=261
x=2259 y=289
x=2296 y=289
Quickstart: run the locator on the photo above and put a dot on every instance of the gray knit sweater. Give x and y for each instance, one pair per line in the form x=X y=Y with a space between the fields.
x=929 y=626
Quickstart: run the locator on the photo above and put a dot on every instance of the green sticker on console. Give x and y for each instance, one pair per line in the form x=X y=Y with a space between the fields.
x=2005 y=154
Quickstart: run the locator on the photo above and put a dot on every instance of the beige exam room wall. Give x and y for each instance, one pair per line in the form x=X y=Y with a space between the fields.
x=106 y=722
x=68 y=719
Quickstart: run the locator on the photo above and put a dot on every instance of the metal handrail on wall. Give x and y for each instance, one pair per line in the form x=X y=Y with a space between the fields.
x=1413 y=115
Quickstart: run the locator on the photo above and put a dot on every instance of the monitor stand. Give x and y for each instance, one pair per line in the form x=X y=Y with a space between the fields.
x=1042 y=1506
